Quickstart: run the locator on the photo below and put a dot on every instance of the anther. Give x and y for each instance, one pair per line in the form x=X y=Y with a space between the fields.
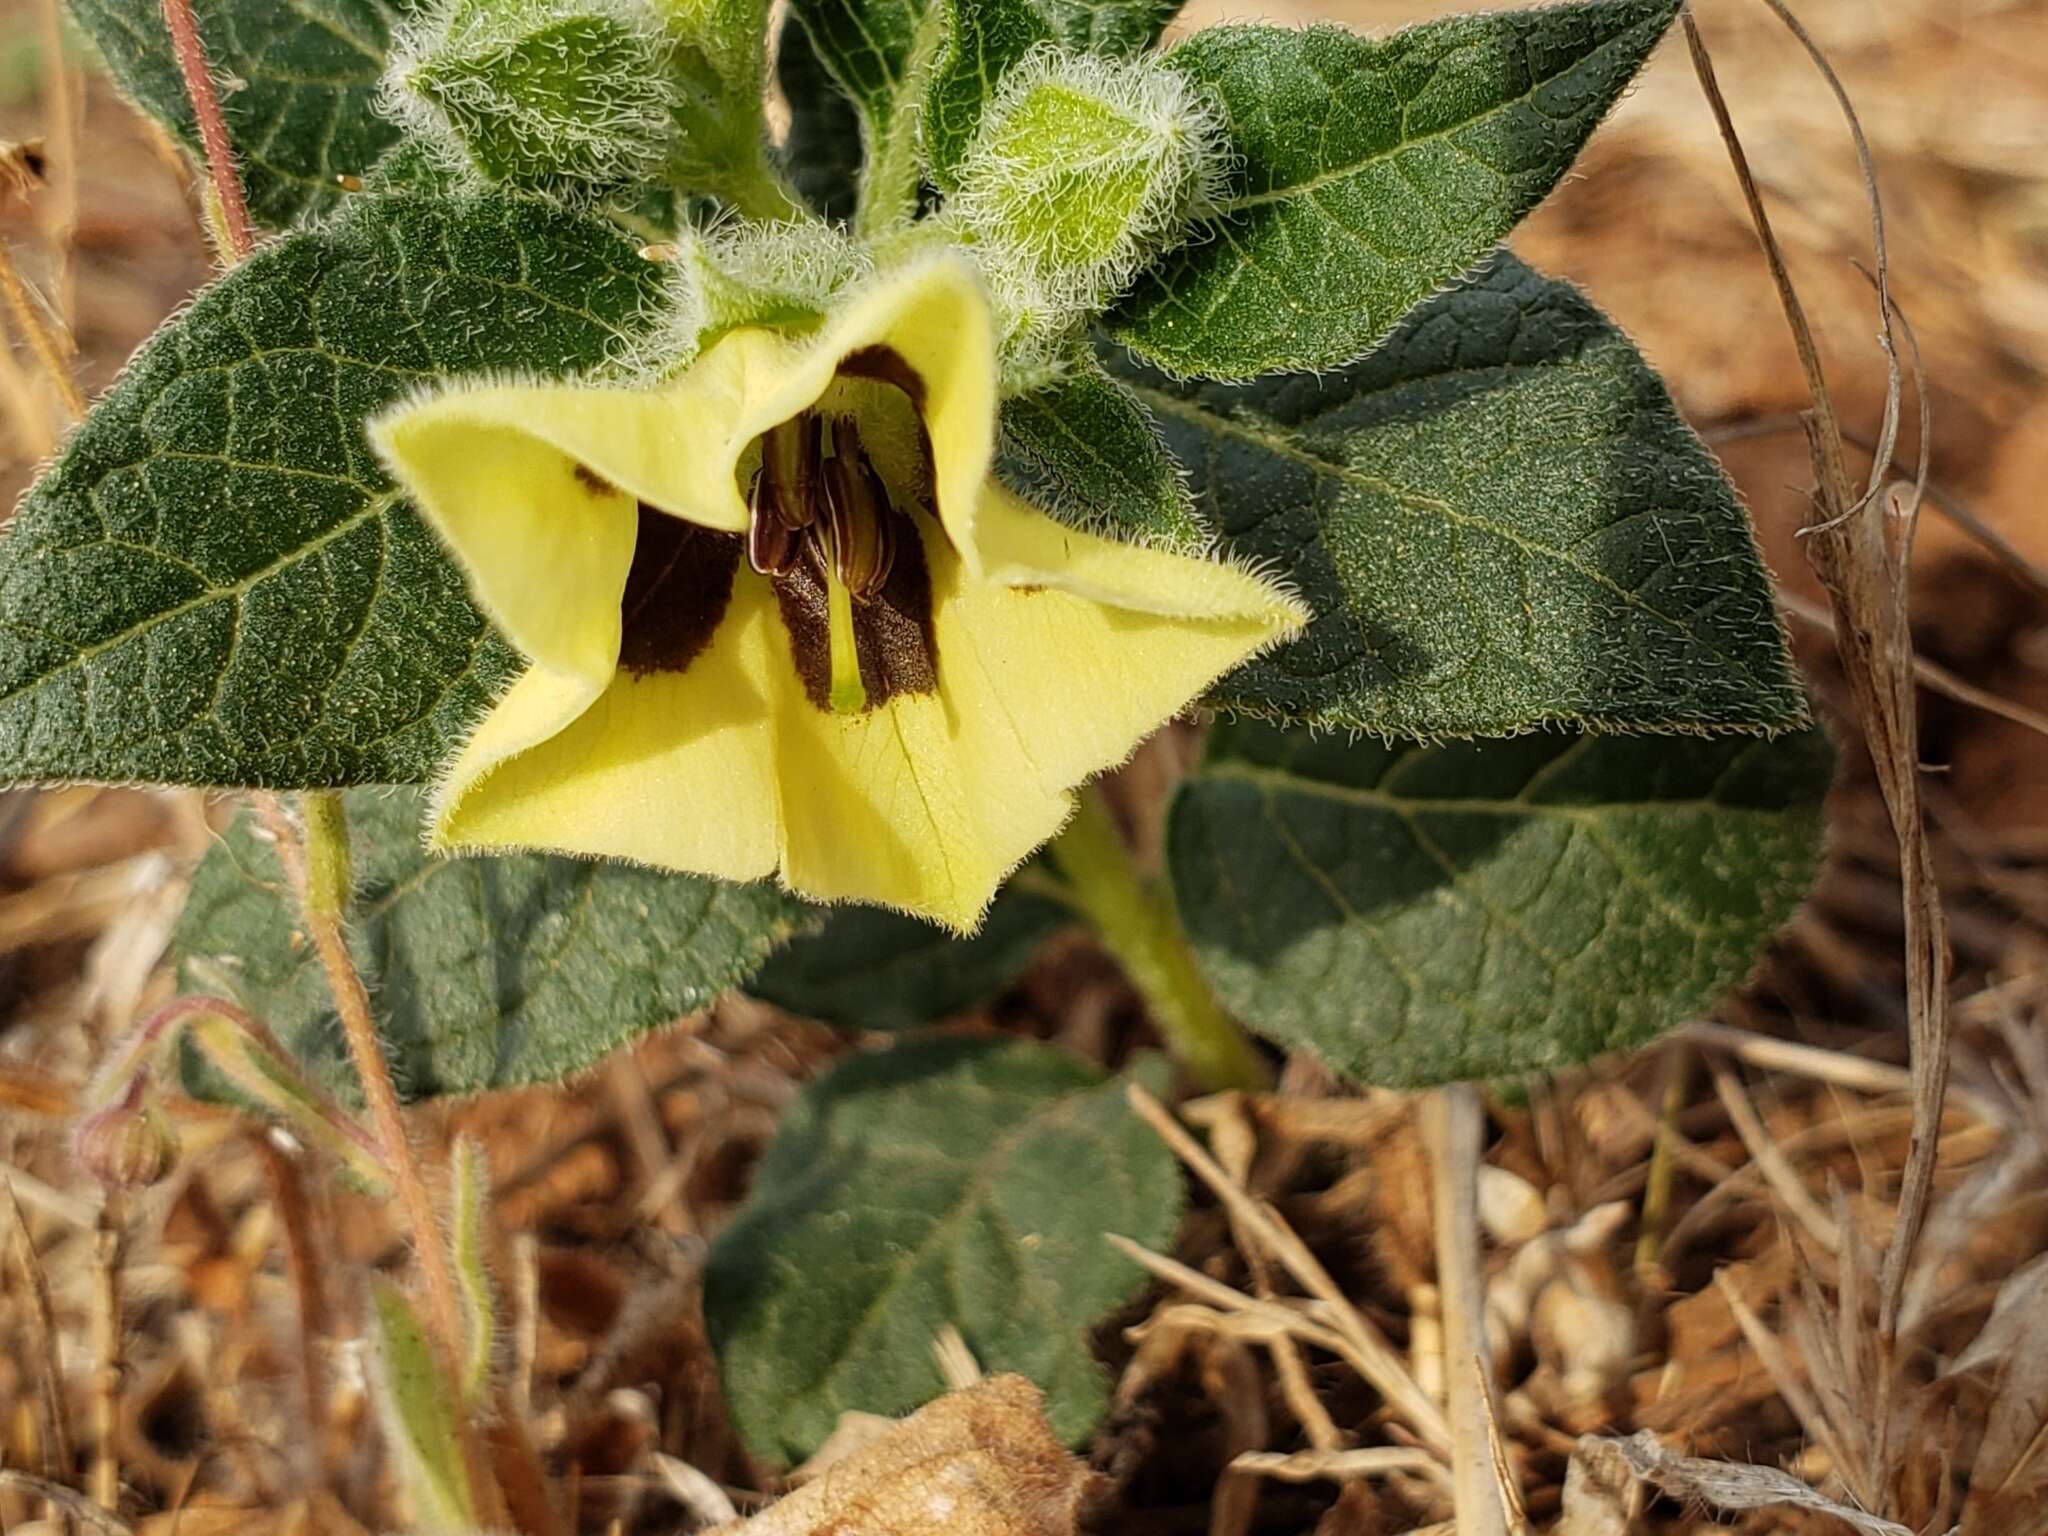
x=862 y=522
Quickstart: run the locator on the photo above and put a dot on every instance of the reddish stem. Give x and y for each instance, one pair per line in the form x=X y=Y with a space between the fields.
x=213 y=128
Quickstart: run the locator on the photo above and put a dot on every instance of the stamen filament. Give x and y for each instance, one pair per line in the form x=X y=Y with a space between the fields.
x=849 y=694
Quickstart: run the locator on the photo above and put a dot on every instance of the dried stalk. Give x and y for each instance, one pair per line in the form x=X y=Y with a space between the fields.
x=1859 y=546
x=1453 y=1125
x=43 y=339
x=57 y=1460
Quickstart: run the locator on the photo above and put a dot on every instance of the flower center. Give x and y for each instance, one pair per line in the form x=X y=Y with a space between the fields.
x=845 y=558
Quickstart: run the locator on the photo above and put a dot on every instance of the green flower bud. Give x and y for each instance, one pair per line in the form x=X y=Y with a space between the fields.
x=570 y=98
x=1083 y=169
x=782 y=275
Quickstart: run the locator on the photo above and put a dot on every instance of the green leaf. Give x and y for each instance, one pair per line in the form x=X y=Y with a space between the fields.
x=986 y=37
x=822 y=155
x=303 y=78
x=1500 y=521
x=1417 y=914
x=941 y=1181
x=1084 y=449
x=217 y=583
x=878 y=52
x=1370 y=172
x=868 y=968
x=487 y=972
x=419 y=1414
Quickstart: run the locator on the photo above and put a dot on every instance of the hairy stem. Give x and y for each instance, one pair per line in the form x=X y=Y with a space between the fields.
x=1136 y=923
x=213 y=128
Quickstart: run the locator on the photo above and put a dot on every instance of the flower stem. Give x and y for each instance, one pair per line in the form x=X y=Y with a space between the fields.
x=321 y=871
x=1136 y=923
x=325 y=879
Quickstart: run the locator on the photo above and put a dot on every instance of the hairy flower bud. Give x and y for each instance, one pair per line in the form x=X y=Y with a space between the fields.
x=570 y=98
x=1082 y=170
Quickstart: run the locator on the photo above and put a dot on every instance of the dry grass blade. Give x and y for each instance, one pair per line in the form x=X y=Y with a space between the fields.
x=43 y=1316
x=1777 y=1170
x=1731 y=1485
x=1932 y=674
x=1374 y=1356
x=1337 y=1466
x=1859 y=547
x=74 y=1504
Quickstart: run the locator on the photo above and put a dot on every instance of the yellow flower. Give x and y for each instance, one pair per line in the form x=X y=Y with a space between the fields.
x=782 y=619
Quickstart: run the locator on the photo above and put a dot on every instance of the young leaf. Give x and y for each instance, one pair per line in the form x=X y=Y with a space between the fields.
x=1370 y=171
x=941 y=1181
x=1417 y=914
x=1500 y=521
x=1085 y=450
x=879 y=53
x=217 y=583
x=487 y=972
x=985 y=37
x=304 y=79
x=419 y=1414
x=869 y=968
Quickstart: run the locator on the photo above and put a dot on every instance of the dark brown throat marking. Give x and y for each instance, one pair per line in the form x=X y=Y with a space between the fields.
x=887 y=365
x=892 y=630
x=676 y=592
x=592 y=481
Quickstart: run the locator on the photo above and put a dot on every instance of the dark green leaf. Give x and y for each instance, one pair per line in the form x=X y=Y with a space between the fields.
x=487 y=972
x=301 y=77
x=941 y=1181
x=1417 y=914
x=217 y=583
x=986 y=37
x=822 y=154
x=867 y=968
x=1500 y=521
x=1370 y=171
x=1084 y=449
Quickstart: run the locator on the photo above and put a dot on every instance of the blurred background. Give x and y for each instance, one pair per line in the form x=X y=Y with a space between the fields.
x=200 y=1390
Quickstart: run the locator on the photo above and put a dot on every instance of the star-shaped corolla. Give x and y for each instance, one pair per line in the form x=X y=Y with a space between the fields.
x=782 y=619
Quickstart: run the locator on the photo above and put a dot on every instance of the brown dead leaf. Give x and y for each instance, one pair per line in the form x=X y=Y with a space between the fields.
x=980 y=1462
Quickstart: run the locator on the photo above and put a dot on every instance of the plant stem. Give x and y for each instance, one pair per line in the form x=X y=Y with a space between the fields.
x=320 y=870
x=1136 y=923
x=324 y=880
x=213 y=128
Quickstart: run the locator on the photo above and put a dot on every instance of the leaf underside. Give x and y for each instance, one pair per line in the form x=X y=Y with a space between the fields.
x=940 y=1181
x=1500 y=521
x=1370 y=171
x=217 y=583
x=488 y=972
x=300 y=78
x=1414 y=914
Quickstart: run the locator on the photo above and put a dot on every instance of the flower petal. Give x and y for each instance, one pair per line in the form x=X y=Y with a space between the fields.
x=1019 y=546
x=674 y=769
x=546 y=549
x=1063 y=680
x=884 y=807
